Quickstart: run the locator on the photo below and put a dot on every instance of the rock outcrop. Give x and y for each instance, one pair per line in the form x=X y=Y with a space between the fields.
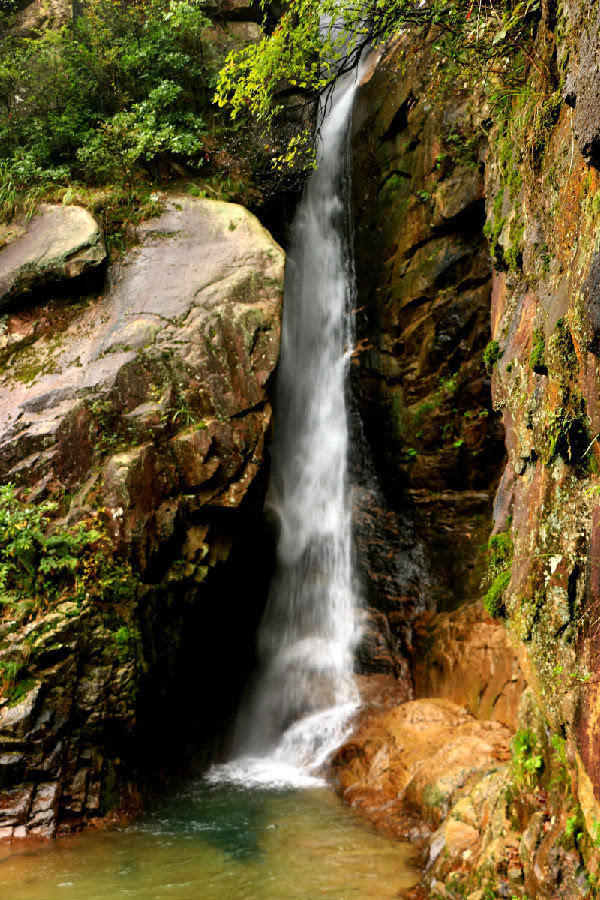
x=58 y=244
x=466 y=656
x=142 y=414
x=405 y=765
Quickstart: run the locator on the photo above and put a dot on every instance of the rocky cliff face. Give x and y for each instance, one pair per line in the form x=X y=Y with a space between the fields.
x=542 y=189
x=424 y=282
x=135 y=419
x=528 y=827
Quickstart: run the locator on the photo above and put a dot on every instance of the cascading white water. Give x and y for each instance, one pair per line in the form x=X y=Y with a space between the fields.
x=305 y=694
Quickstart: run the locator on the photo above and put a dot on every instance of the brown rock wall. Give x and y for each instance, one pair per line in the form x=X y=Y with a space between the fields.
x=465 y=656
x=543 y=209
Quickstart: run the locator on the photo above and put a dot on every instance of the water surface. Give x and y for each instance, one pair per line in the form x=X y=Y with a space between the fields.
x=219 y=842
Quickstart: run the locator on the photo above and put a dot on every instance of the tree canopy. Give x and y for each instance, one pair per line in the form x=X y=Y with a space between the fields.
x=315 y=41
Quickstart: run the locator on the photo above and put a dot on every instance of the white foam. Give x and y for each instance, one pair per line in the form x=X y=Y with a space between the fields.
x=298 y=759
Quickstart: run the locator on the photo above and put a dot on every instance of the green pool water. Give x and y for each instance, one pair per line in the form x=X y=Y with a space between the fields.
x=219 y=843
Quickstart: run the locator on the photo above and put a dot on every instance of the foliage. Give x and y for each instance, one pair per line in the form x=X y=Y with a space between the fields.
x=527 y=761
x=119 y=86
x=316 y=41
x=46 y=561
x=493 y=599
x=500 y=556
x=574 y=827
x=128 y=641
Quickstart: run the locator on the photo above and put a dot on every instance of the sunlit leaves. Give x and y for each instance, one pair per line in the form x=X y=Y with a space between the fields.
x=315 y=40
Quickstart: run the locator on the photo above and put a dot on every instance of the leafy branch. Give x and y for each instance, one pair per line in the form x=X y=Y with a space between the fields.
x=316 y=42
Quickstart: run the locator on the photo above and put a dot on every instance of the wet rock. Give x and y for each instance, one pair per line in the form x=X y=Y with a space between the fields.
x=14 y=805
x=424 y=283
x=58 y=244
x=411 y=760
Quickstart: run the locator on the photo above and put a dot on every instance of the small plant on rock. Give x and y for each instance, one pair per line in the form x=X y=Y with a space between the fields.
x=537 y=357
x=500 y=555
x=43 y=560
x=527 y=761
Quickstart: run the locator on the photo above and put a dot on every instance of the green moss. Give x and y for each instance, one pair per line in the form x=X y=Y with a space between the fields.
x=567 y=435
x=15 y=684
x=493 y=599
x=422 y=411
x=537 y=357
x=566 y=428
x=545 y=120
x=434 y=796
x=20 y=690
x=128 y=643
x=508 y=159
x=545 y=257
x=527 y=761
x=491 y=355
x=393 y=183
x=493 y=227
x=500 y=549
x=561 y=351
x=574 y=829
x=514 y=251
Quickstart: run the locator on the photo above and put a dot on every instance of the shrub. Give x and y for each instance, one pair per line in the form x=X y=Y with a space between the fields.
x=119 y=86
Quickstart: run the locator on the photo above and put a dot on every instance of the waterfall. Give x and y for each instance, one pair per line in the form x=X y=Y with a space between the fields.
x=300 y=707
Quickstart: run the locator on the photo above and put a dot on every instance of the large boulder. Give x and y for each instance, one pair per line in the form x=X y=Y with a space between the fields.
x=57 y=244
x=404 y=765
x=143 y=413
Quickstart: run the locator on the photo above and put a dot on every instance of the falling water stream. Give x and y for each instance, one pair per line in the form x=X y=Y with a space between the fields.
x=264 y=826
x=300 y=707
